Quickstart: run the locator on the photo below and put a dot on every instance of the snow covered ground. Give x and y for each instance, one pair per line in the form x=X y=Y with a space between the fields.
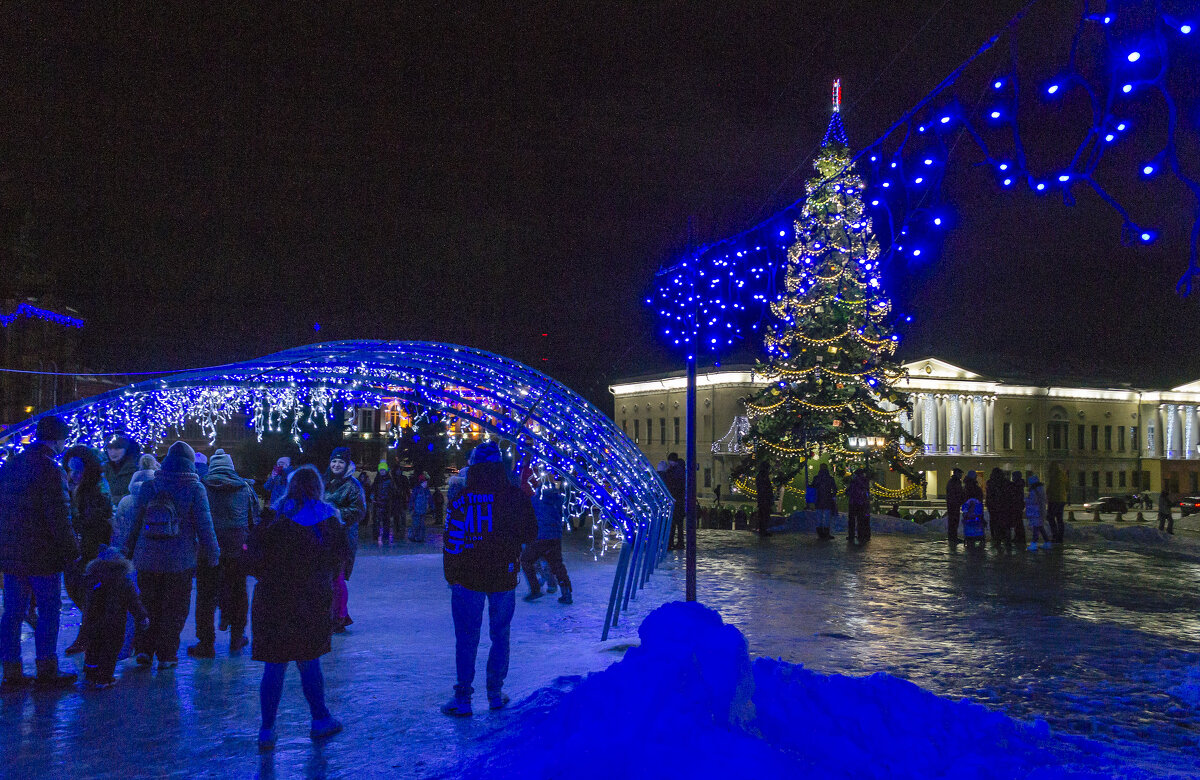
x=1098 y=640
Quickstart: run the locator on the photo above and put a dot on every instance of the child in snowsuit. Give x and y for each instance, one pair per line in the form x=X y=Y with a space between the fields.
x=1035 y=511
x=419 y=504
x=972 y=522
x=112 y=594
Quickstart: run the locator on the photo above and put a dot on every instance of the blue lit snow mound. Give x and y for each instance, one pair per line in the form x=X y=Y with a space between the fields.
x=689 y=703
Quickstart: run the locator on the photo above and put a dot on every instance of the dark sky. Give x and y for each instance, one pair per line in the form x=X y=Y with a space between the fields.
x=206 y=184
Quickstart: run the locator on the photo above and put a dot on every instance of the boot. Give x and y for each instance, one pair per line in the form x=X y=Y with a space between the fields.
x=50 y=677
x=565 y=598
x=203 y=649
x=15 y=678
x=534 y=594
x=76 y=647
x=238 y=643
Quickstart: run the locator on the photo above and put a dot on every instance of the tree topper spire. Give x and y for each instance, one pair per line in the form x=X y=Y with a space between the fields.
x=836 y=132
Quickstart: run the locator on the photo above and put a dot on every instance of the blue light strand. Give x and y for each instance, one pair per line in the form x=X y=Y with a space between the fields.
x=34 y=312
x=721 y=292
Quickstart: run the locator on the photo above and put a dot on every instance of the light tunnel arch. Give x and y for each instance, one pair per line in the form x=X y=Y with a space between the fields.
x=542 y=418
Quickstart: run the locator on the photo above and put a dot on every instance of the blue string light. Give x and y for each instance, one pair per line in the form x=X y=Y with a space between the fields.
x=746 y=270
x=34 y=312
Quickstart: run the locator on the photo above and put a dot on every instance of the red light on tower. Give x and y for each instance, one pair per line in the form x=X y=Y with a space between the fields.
x=837 y=95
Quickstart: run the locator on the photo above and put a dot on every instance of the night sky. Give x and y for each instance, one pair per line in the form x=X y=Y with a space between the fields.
x=205 y=185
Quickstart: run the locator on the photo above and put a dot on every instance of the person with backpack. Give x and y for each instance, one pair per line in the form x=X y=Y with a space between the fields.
x=172 y=532
x=345 y=494
x=112 y=597
x=294 y=554
x=858 y=495
x=420 y=502
x=825 y=501
x=487 y=525
x=234 y=508
x=36 y=544
x=1035 y=512
x=91 y=517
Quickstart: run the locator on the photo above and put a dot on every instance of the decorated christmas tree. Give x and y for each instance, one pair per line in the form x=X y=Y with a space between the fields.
x=830 y=346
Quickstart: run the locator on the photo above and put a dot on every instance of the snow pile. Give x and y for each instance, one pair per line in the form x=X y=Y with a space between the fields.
x=1139 y=534
x=689 y=703
x=805 y=522
x=1188 y=690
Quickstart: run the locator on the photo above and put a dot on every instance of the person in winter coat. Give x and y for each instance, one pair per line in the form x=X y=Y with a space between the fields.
x=36 y=544
x=201 y=465
x=91 y=517
x=294 y=554
x=112 y=598
x=345 y=494
x=1056 y=499
x=276 y=484
x=997 y=506
x=955 y=498
x=488 y=524
x=765 y=497
x=420 y=503
x=383 y=505
x=146 y=462
x=1166 y=506
x=1016 y=508
x=548 y=508
x=675 y=478
x=1035 y=512
x=973 y=521
x=123 y=516
x=123 y=455
x=858 y=495
x=172 y=531
x=400 y=494
x=234 y=508
x=826 y=501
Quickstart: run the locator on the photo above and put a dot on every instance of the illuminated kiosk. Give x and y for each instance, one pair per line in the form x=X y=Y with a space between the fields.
x=549 y=425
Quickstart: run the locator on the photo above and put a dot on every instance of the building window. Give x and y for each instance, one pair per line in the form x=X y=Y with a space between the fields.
x=1081 y=445
x=1145 y=480
x=1095 y=439
x=1008 y=436
x=1059 y=432
x=1096 y=479
x=1133 y=440
x=1108 y=438
x=1029 y=436
x=708 y=478
x=707 y=422
x=637 y=431
x=1135 y=480
x=676 y=430
x=1120 y=479
x=1120 y=438
x=649 y=431
x=662 y=430
x=625 y=426
x=1082 y=479
x=1195 y=482
x=1108 y=479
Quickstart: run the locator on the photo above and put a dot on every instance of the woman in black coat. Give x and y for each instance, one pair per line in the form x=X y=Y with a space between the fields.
x=294 y=557
x=91 y=517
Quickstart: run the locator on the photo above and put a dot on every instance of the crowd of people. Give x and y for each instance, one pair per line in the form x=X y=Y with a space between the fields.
x=127 y=535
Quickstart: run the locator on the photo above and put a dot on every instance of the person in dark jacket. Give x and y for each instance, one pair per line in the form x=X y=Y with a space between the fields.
x=826 y=501
x=171 y=520
x=675 y=478
x=548 y=508
x=765 y=494
x=971 y=511
x=955 y=498
x=234 y=508
x=383 y=506
x=858 y=497
x=346 y=495
x=487 y=525
x=201 y=465
x=400 y=495
x=276 y=484
x=1166 y=506
x=294 y=554
x=123 y=455
x=91 y=517
x=36 y=544
x=112 y=598
x=420 y=504
x=1016 y=509
x=997 y=506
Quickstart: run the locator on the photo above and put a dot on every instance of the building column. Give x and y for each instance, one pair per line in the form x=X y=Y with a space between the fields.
x=989 y=425
x=1189 y=432
x=929 y=423
x=954 y=437
x=1172 y=436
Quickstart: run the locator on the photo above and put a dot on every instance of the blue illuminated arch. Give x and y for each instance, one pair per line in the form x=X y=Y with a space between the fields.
x=541 y=417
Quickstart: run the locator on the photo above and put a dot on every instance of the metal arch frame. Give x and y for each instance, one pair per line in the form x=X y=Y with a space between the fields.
x=546 y=421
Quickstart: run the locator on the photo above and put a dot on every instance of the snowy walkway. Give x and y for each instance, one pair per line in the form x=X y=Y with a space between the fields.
x=1089 y=637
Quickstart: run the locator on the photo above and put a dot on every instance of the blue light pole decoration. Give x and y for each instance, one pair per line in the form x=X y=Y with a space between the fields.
x=551 y=428
x=1134 y=63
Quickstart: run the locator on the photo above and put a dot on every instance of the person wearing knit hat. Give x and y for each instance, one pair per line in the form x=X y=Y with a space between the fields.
x=123 y=454
x=276 y=484
x=37 y=542
x=383 y=505
x=234 y=507
x=201 y=464
x=346 y=495
x=172 y=533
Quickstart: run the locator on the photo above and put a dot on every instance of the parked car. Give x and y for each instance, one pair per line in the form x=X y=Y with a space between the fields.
x=1189 y=505
x=1108 y=504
